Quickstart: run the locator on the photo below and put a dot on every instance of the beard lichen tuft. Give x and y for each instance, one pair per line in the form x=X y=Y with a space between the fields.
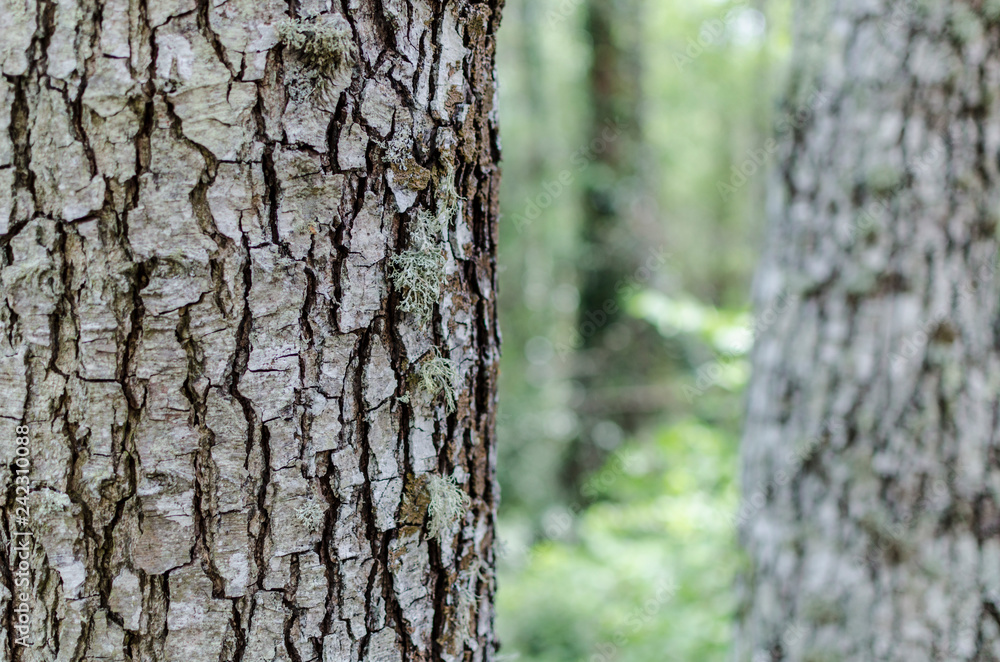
x=418 y=273
x=447 y=196
x=324 y=46
x=438 y=376
x=311 y=515
x=447 y=503
x=466 y=601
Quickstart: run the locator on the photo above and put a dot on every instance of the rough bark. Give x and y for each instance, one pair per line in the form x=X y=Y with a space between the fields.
x=226 y=382
x=871 y=486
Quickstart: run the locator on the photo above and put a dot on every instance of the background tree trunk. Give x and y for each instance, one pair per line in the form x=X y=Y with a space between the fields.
x=870 y=477
x=613 y=242
x=232 y=417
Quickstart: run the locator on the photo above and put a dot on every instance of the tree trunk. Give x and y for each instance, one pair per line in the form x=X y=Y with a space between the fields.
x=248 y=338
x=871 y=491
x=612 y=243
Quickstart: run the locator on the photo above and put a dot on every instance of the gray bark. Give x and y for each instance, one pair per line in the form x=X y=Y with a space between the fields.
x=871 y=506
x=236 y=400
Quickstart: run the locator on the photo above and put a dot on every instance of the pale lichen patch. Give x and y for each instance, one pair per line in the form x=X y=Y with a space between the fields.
x=466 y=601
x=446 y=504
x=325 y=49
x=437 y=376
x=419 y=272
x=310 y=515
x=325 y=46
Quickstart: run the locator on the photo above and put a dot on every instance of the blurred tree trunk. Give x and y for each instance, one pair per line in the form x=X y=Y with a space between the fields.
x=613 y=152
x=870 y=482
x=609 y=249
x=248 y=323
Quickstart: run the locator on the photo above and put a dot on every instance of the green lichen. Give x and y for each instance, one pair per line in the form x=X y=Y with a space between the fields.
x=884 y=180
x=395 y=152
x=47 y=510
x=413 y=512
x=820 y=655
x=446 y=504
x=419 y=272
x=466 y=599
x=964 y=26
x=991 y=10
x=447 y=195
x=30 y=275
x=437 y=375
x=428 y=228
x=310 y=514
x=823 y=611
x=887 y=538
x=48 y=503
x=411 y=174
x=325 y=48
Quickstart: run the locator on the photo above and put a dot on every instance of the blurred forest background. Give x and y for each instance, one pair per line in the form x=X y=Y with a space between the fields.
x=635 y=150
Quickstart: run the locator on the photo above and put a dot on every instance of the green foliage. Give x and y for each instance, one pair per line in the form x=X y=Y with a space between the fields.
x=725 y=330
x=649 y=568
x=568 y=591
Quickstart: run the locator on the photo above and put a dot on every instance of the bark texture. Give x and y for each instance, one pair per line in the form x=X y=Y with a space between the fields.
x=232 y=424
x=871 y=481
